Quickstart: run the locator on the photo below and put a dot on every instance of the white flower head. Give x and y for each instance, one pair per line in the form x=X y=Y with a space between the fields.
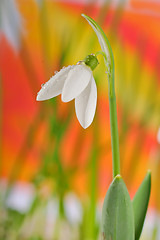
x=75 y=82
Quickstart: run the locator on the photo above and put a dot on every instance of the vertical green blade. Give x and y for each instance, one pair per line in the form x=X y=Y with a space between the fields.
x=117 y=213
x=140 y=204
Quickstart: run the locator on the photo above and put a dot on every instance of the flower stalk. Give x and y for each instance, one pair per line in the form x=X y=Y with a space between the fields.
x=109 y=62
x=114 y=136
x=113 y=121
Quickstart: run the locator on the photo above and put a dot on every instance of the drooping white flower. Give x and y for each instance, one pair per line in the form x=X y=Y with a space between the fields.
x=74 y=82
x=10 y=22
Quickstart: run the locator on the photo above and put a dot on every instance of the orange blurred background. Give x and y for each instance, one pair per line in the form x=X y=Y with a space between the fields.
x=43 y=142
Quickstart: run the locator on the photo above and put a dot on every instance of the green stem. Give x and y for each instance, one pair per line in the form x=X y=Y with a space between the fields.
x=113 y=118
x=113 y=111
x=109 y=62
x=100 y=53
x=114 y=136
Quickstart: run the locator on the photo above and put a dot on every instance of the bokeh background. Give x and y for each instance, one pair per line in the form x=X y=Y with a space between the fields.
x=53 y=174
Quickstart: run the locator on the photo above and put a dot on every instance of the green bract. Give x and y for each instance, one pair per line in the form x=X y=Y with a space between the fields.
x=105 y=46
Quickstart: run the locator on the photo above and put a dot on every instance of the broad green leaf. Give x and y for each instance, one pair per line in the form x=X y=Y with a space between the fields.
x=117 y=213
x=140 y=204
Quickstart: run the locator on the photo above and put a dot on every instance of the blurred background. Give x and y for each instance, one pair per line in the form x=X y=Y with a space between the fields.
x=53 y=174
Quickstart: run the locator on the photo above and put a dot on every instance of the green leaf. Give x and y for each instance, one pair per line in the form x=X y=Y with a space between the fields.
x=140 y=204
x=117 y=213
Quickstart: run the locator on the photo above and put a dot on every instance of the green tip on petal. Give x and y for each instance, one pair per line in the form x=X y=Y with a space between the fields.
x=91 y=61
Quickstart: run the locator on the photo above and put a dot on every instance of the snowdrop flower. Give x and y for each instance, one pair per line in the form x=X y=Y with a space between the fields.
x=10 y=22
x=75 y=82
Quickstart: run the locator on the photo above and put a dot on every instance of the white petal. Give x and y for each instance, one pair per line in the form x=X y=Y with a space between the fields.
x=54 y=86
x=77 y=80
x=85 y=104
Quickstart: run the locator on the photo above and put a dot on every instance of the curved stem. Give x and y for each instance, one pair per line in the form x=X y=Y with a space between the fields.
x=100 y=52
x=109 y=62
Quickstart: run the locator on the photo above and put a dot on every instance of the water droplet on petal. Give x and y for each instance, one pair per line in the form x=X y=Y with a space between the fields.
x=78 y=63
